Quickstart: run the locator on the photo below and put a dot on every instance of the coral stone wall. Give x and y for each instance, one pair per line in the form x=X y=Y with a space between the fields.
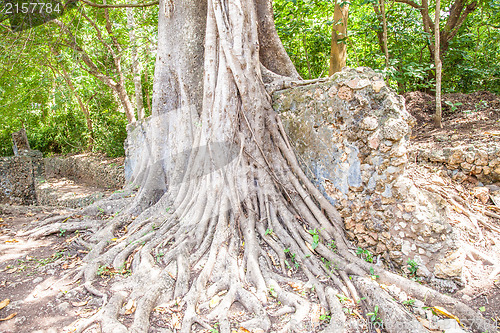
x=351 y=135
x=17 y=180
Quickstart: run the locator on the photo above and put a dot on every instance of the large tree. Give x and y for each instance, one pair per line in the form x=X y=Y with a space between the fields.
x=222 y=204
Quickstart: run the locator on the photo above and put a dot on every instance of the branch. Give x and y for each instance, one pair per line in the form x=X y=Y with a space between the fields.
x=125 y=5
x=411 y=3
x=468 y=9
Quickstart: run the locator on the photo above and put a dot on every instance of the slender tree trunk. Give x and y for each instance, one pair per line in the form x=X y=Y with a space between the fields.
x=121 y=93
x=136 y=66
x=438 y=64
x=379 y=9
x=146 y=77
x=82 y=105
x=384 y=26
x=338 y=55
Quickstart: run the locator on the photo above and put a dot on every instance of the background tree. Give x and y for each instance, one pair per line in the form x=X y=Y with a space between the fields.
x=437 y=59
x=338 y=53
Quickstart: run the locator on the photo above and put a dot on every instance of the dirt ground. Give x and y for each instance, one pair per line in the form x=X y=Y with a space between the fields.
x=38 y=293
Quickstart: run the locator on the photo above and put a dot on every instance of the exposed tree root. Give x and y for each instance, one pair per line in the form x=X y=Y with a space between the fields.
x=234 y=229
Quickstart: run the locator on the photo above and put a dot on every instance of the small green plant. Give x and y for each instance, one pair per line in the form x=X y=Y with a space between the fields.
x=372 y=274
x=409 y=302
x=348 y=311
x=159 y=255
x=374 y=316
x=214 y=329
x=412 y=267
x=332 y=246
x=268 y=231
x=315 y=242
x=452 y=105
x=62 y=232
x=480 y=105
x=342 y=298
x=103 y=270
x=273 y=292
x=45 y=261
x=294 y=260
x=365 y=254
x=325 y=317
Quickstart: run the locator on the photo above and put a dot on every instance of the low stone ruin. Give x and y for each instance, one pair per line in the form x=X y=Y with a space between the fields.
x=479 y=160
x=18 y=173
x=351 y=135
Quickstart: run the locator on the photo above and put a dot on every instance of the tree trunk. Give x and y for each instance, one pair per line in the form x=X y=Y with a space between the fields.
x=121 y=93
x=379 y=9
x=272 y=55
x=338 y=55
x=439 y=66
x=136 y=70
x=223 y=207
x=82 y=105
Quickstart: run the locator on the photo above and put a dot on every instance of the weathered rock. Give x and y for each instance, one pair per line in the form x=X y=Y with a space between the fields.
x=482 y=193
x=451 y=266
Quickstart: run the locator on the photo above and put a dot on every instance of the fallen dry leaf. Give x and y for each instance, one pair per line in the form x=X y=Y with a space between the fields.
x=243 y=330
x=214 y=301
x=12 y=241
x=77 y=304
x=4 y=303
x=30 y=214
x=295 y=286
x=12 y=315
x=444 y=312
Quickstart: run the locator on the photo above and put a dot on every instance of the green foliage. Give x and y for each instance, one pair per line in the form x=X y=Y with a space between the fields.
x=304 y=27
x=453 y=106
x=35 y=94
x=315 y=234
x=409 y=302
x=374 y=316
x=365 y=254
x=292 y=256
x=471 y=63
x=412 y=267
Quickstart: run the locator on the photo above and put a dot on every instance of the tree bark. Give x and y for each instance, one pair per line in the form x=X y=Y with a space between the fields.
x=272 y=53
x=338 y=54
x=136 y=69
x=438 y=64
x=382 y=35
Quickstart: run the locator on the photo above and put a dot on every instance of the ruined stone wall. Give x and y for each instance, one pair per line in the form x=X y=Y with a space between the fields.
x=351 y=135
x=480 y=160
x=17 y=180
x=92 y=170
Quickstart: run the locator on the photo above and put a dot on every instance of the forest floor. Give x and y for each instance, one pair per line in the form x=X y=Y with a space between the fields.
x=37 y=294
